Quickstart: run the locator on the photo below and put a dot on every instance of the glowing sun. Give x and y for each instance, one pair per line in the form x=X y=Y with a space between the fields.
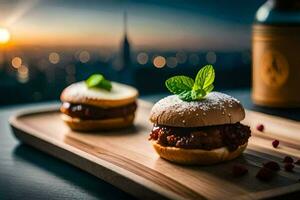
x=4 y=36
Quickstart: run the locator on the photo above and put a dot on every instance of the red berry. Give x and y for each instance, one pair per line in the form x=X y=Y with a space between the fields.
x=260 y=127
x=275 y=143
x=288 y=159
x=272 y=166
x=289 y=167
x=265 y=174
x=239 y=170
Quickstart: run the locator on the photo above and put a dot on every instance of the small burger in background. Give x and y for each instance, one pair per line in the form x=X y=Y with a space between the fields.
x=98 y=104
x=197 y=126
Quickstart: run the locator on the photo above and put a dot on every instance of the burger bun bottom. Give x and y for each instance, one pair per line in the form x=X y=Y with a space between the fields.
x=197 y=156
x=77 y=124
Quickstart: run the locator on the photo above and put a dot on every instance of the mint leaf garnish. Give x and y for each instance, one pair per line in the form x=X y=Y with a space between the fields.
x=189 y=90
x=205 y=77
x=179 y=84
x=187 y=96
x=209 y=88
x=98 y=81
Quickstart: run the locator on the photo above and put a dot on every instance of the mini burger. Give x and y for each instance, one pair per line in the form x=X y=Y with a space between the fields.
x=197 y=126
x=98 y=104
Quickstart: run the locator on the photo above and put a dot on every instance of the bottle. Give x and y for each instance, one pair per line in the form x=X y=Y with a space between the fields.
x=276 y=54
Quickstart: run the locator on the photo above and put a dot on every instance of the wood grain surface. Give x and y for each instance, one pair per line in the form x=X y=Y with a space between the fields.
x=126 y=159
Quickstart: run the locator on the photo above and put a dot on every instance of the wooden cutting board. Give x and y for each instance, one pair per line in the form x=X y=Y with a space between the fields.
x=126 y=159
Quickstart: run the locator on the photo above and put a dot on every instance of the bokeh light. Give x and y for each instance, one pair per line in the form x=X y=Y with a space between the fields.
x=181 y=57
x=159 y=61
x=84 y=56
x=171 y=62
x=211 y=57
x=4 y=35
x=16 y=62
x=54 y=58
x=142 y=58
x=23 y=74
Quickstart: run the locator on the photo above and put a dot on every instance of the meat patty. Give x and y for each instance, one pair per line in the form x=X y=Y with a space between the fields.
x=207 y=138
x=87 y=112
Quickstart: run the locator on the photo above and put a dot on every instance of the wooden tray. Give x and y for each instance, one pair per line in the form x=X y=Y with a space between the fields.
x=126 y=159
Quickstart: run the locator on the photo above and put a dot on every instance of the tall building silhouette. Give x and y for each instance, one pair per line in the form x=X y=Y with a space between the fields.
x=125 y=54
x=126 y=61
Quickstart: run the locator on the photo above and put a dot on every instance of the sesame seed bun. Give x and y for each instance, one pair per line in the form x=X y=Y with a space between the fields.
x=197 y=156
x=79 y=93
x=215 y=109
x=77 y=124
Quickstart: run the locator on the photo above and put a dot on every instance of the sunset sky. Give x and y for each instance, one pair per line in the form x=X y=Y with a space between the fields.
x=154 y=24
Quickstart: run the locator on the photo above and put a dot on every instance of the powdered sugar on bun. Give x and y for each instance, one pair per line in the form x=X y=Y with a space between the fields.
x=120 y=94
x=216 y=108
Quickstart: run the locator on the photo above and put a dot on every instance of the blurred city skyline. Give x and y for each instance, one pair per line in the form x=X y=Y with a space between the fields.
x=188 y=25
x=47 y=45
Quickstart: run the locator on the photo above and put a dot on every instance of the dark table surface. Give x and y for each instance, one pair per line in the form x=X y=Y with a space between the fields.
x=26 y=173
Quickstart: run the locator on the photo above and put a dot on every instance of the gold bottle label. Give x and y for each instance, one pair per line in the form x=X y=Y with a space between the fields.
x=276 y=65
x=274 y=68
